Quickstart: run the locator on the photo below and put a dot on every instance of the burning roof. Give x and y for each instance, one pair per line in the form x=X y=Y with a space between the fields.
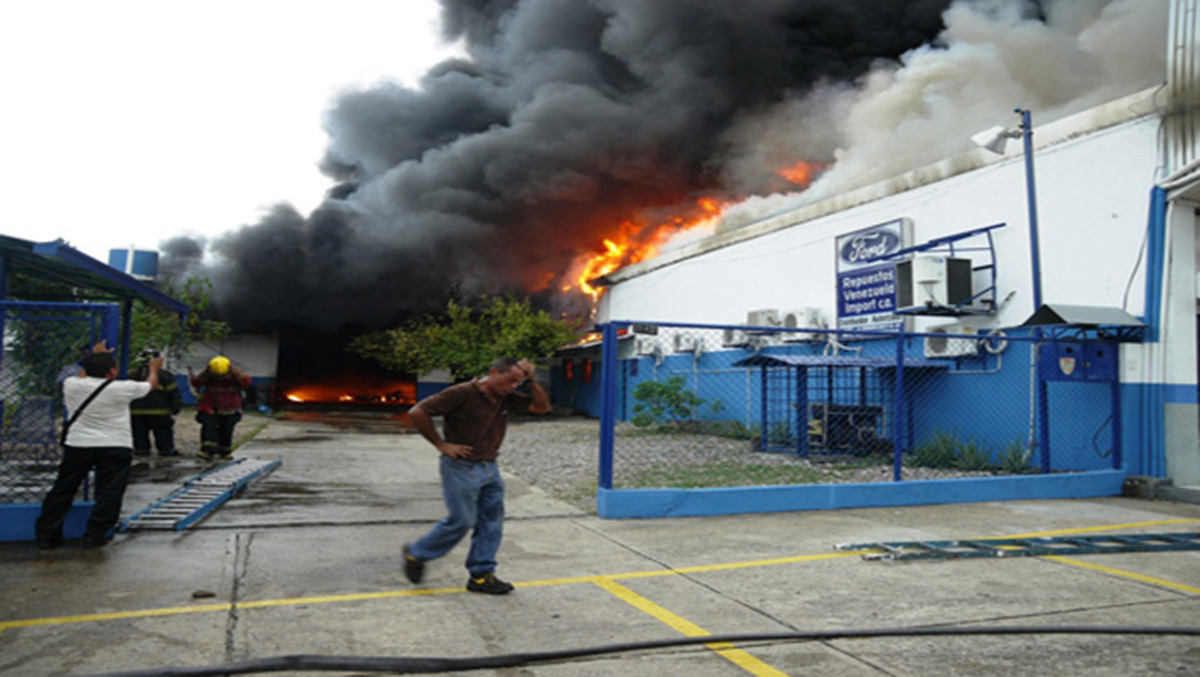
x=584 y=136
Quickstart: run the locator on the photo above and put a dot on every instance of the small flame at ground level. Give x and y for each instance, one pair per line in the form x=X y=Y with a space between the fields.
x=397 y=393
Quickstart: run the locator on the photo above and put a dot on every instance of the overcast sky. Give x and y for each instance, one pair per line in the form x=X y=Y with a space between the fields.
x=126 y=122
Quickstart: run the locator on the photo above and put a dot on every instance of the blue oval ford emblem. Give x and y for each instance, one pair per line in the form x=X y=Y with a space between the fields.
x=870 y=246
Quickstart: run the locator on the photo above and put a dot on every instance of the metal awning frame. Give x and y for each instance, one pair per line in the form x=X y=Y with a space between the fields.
x=1060 y=320
x=60 y=262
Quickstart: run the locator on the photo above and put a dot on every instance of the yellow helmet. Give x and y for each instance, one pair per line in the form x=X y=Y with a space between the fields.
x=219 y=365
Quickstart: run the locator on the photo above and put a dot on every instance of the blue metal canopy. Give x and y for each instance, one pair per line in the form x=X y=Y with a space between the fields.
x=59 y=261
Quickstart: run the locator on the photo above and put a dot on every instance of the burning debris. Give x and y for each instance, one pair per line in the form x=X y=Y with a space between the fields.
x=582 y=136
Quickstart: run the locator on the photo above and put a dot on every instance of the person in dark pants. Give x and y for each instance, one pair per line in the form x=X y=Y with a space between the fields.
x=99 y=439
x=155 y=413
x=220 y=406
x=475 y=418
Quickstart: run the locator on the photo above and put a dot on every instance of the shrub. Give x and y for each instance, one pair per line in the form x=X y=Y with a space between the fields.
x=665 y=405
x=941 y=451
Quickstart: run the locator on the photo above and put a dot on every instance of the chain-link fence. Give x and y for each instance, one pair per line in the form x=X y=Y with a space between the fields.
x=697 y=406
x=43 y=343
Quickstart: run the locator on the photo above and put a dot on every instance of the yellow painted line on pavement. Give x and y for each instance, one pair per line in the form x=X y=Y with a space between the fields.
x=90 y=618
x=224 y=606
x=686 y=570
x=209 y=608
x=1182 y=587
x=1085 y=530
x=726 y=650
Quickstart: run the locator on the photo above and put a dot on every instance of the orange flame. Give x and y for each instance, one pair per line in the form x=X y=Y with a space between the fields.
x=800 y=173
x=382 y=391
x=635 y=242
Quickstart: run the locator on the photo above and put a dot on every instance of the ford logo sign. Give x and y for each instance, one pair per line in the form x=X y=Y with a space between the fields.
x=870 y=246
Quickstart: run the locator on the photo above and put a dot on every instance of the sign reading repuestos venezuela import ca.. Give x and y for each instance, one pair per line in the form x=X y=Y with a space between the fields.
x=866 y=279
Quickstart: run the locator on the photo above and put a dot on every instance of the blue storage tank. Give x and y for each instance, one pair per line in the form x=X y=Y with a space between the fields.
x=140 y=263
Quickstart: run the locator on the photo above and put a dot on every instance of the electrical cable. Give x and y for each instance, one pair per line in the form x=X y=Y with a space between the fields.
x=1096 y=436
x=409 y=666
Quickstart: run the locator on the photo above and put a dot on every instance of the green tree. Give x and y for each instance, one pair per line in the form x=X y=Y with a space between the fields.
x=161 y=328
x=666 y=404
x=465 y=340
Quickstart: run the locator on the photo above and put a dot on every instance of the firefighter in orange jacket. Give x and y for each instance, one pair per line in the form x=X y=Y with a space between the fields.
x=220 y=406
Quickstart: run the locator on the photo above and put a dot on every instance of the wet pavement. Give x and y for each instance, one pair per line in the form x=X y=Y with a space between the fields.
x=306 y=561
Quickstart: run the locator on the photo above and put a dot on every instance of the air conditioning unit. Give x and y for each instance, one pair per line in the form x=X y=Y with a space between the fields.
x=768 y=317
x=686 y=343
x=932 y=282
x=757 y=341
x=800 y=318
x=734 y=338
x=646 y=345
x=951 y=346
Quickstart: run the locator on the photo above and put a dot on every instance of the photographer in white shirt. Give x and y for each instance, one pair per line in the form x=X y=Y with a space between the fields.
x=100 y=438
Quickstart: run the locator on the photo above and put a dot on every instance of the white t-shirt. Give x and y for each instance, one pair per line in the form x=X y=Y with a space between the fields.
x=105 y=422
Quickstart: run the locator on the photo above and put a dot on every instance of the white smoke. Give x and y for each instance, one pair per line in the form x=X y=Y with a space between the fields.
x=993 y=56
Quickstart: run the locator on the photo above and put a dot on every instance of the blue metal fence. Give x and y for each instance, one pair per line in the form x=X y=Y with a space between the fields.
x=697 y=408
x=42 y=341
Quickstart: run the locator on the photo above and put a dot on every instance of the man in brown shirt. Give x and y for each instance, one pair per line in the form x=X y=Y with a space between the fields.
x=475 y=417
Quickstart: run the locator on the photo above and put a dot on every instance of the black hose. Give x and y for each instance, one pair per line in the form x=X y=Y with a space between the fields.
x=412 y=666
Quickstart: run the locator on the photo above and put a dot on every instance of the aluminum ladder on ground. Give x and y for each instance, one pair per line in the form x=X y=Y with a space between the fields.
x=1026 y=547
x=200 y=496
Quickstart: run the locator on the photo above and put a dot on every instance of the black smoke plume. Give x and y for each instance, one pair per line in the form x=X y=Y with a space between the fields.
x=570 y=117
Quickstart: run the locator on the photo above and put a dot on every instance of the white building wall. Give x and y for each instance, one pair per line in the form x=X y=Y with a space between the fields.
x=256 y=354
x=1093 y=198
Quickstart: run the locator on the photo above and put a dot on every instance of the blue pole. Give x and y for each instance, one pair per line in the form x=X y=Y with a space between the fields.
x=802 y=411
x=126 y=335
x=764 y=422
x=1031 y=194
x=898 y=410
x=608 y=402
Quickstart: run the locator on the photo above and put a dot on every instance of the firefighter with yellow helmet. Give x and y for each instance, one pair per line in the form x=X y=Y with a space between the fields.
x=220 y=408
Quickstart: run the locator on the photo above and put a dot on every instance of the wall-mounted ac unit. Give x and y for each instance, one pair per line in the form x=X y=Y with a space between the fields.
x=951 y=346
x=932 y=282
x=686 y=343
x=767 y=317
x=646 y=345
x=734 y=338
x=758 y=341
x=800 y=318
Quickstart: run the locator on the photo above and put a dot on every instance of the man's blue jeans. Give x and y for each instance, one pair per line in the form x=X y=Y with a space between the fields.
x=474 y=494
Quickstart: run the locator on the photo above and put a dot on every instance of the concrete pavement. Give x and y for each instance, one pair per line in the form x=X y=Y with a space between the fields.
x=306 y=562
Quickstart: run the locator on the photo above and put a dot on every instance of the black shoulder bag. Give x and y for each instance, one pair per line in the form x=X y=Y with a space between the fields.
x=79 y=411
